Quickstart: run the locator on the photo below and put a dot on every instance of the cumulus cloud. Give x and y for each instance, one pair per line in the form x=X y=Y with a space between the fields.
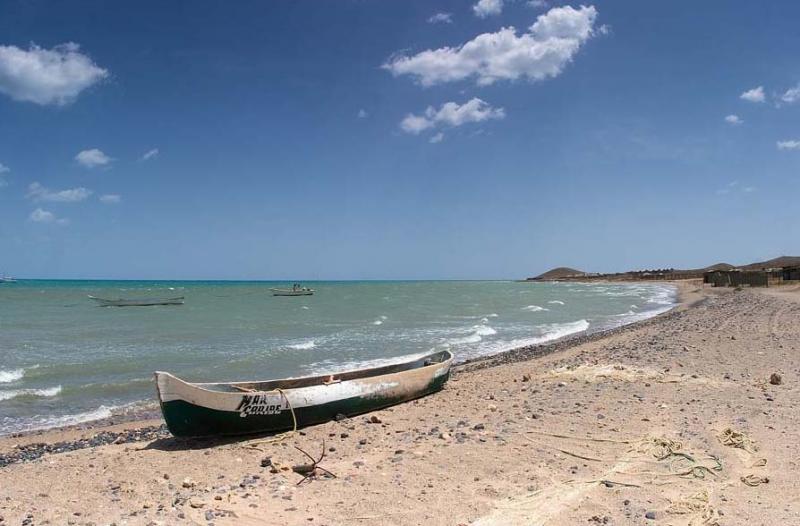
x=791 y=95
x=789 y=145
x=362 y=114
x=110 y=199
x=43 y=216
x=486 y=8
x=37 y=192
x=47 y=76
x=441 y=18
x=439 y=137
x=543 y=52
x=754 y=95
x=150 y=154
x=733 y=119
x=451 y=114
x=94 y=157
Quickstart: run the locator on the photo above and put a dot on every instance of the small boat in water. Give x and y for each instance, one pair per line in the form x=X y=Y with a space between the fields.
x=7 y=279
x=239 y=408
x=296 y=290
x=142 y=302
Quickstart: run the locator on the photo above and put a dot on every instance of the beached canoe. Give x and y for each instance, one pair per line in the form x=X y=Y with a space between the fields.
x=143 y=302
x=292 y=292
x=238 y=408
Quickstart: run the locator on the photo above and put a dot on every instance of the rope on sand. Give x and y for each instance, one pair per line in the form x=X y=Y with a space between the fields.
x=589 y=439
x=737 y=439
x=698 y=505
x=754 y=480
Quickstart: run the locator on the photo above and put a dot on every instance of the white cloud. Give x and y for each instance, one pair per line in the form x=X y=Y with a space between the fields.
x=110 y=199
x=150 y=154
x=543 y=52
x=441 y=18
x=537 y=4
x=93 y=157
x=789 y=145
x=733 y=119
x=451 y=114
x=791 y=95
x=4 y=169
x=486 y=8
x=43 y=216
x=362 y=114
x=47 y=76
x=439 y=137
x=754 y=95
x=37 y=192
x=734 y=186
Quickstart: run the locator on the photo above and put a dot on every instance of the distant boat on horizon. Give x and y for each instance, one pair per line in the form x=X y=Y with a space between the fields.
x=296 y=290
x=7 y=279
x=142 y=302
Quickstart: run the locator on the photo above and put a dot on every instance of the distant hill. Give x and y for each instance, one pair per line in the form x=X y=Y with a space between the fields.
x=783 y=261
x=559 y=273
x=720 y=266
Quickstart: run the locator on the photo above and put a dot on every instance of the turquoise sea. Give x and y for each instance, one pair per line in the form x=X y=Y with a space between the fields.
x=64 y=360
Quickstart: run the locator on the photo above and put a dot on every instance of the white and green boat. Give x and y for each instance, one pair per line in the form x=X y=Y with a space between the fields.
x=238 y=408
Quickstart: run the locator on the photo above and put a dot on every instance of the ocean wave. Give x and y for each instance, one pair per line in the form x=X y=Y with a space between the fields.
x=472 y=338
x=555 y=302
x=8 y=425
x=12 y=375
x=380 y=320
x=484 y=330
x=549 y=333
x=303 y=346
x=534 y=308
x=38 y=393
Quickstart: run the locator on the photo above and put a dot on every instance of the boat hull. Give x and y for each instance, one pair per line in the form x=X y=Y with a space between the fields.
x=192 y=412
x=102 y=302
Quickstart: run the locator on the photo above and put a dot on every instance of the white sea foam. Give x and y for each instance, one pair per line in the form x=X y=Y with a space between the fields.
x=555 y=302
x=12 y=375
x=380 y=320
x=472 y=338
x=40 y=393
x=549 y=333
x=484 y=330
x=41 y=422
x=492 y=315
x=304 y=307
x=303 y=346
x=534 y=308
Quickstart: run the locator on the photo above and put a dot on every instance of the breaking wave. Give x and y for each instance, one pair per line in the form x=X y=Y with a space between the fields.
x=555 y=302
x=303 y=346
x=11 y=376
x=534 y=308
x=38 y=393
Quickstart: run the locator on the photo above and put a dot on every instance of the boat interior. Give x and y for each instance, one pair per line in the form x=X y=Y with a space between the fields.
x=294 y=383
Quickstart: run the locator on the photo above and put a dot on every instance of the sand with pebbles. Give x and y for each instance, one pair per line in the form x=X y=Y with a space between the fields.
x=671 y=421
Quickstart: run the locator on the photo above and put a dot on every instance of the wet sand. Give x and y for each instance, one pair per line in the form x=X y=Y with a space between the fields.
x=673 y=418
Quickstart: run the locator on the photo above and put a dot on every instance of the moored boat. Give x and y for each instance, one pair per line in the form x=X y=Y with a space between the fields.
x=239 y=408
x=294 y=291
x=141 y=302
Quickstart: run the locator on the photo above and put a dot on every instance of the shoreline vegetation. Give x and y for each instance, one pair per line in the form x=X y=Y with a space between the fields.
x=611 y=427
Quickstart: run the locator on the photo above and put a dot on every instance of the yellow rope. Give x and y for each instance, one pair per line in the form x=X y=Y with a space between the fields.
x=281 y=436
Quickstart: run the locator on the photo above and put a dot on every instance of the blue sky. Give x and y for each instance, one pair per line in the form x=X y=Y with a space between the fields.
x=375 y=139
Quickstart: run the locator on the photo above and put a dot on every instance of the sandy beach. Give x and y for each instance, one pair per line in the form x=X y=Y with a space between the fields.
x=687 y=418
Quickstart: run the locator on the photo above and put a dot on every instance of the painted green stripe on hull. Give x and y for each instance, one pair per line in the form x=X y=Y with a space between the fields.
x=189 y=420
